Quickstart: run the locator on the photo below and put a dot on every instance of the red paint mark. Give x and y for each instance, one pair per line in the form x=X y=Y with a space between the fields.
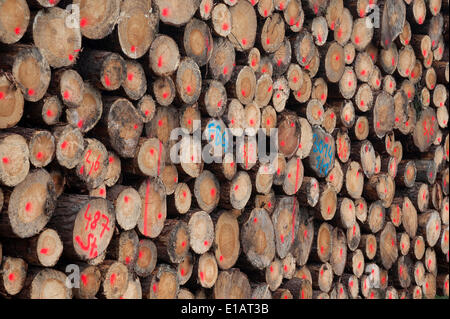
x=66 y=96
x=31 y=92
x=420 y=20
x=102 y=191
x=84 y=279
x=155 y=288
x=319 y=37
x=349 y=83
x=159 y=215
x=12 y=277
x=44 y=251
x=159 y=157
x=160 y=123
x=282 y=238
x=303 y=294
x=339 y=33
x=244 y=41
x=28 y=207
x=165 y=12
x=39 y=155
x=70 y=57
x=359 y=265
x=112 y=279
x=356 y=39
x=188 y=89
x=147 y=191
x=321 y=249
x=213 y=192
x=130 y=76
x=363 y=72
x=107 y=81
x=83 y=22
x=207 y=8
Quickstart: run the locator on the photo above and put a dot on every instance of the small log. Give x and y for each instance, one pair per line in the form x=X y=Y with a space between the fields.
x=50 y=27
x=232 y=284
x=42 y=250
x=147 y=256
x=258 y=242
x=226 y=240
x=37 y=286
x=30 y=206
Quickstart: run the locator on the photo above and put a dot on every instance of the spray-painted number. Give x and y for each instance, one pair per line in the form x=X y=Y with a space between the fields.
x=215 y=132
x=94 y=165
x=92 y=225
x=325 y=155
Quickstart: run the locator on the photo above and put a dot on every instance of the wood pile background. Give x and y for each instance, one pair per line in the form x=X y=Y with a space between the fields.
x=357 y=206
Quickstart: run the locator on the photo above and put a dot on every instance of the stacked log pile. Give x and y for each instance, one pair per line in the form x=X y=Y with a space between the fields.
x=354 y=203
